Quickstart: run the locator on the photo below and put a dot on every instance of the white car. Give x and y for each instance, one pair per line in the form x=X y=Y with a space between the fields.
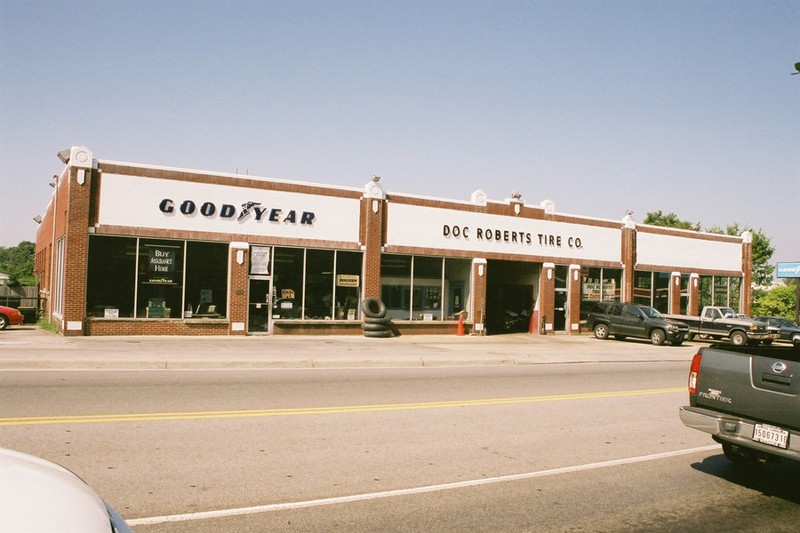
x=38 y=495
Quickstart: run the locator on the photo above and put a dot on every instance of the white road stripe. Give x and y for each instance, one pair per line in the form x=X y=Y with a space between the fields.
x=417 y=490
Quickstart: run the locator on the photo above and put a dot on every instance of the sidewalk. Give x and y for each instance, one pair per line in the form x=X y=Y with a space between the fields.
x=29 y=348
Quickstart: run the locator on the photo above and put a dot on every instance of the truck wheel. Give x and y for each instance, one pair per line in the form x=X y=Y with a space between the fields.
x=601 y=331
x=657 y=337
x=738 y=338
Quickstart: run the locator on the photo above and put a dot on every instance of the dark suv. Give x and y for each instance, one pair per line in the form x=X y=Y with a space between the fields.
x=632 y=320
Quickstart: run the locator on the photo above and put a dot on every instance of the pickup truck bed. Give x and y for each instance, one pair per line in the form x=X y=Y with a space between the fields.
x=747 y=399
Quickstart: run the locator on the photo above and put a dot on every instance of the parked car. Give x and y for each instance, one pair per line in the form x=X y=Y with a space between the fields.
x=632 y=320
x=10 y=317
x=787 y=330
x=39 y=495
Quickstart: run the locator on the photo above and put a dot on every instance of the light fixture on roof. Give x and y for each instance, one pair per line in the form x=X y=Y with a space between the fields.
x=37 y=219
x=64 y=155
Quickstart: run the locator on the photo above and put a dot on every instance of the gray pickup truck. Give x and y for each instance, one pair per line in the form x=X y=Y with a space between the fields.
x=724 y=323
x=748 y=399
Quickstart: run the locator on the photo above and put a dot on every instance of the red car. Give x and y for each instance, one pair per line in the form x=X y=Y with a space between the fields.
x=9 y=317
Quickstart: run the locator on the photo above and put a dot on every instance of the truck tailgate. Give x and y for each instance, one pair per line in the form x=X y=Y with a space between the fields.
x=760 y=384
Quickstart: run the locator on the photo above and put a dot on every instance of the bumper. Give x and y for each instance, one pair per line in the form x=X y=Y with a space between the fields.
x=736 y=430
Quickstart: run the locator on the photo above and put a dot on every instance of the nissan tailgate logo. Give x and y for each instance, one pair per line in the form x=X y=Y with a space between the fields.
x=779 y=367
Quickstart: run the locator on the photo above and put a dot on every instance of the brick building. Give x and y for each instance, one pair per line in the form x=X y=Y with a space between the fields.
x=133 y=249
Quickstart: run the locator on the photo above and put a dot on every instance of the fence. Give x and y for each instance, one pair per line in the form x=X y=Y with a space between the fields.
x=26 y=299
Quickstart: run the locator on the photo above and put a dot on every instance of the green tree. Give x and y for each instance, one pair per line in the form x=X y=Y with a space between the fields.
x=671 y=220
x=17 y=262
x=778 y=301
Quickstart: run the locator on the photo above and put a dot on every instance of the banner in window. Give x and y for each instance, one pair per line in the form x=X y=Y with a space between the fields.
x=259 y=260
x=161 y=263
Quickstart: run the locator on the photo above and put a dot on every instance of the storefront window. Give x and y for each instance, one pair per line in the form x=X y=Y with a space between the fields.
x=721 y=290
x=612 y=284
x=206 y=280
x=287 y=283
x=427 y=294
x=439 y=289
x=661 y=291
x=706 y=291
x=684 y=293
x=643 y=288
x=348 y=285
x=456 y=286
x=396 y=285
x=735 y=293
x=319 y=284
x=111 y=287
x=160 y=279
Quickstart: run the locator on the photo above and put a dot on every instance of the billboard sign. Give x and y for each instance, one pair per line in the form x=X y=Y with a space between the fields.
x=788 y=270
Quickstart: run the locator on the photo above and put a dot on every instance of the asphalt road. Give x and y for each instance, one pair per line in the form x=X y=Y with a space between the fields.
x=556 y=447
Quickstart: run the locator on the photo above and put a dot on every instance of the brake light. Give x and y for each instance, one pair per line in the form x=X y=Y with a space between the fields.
x=694 y=373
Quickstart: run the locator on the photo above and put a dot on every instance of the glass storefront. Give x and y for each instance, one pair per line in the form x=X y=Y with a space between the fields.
x=154 y=278
x=314 y=284
x=424 y=288
x=720 y=290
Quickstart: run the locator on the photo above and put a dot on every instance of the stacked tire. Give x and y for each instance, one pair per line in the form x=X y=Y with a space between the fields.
x=375 y=323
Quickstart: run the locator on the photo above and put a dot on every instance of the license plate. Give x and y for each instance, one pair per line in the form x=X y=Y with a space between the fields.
x=774 y=436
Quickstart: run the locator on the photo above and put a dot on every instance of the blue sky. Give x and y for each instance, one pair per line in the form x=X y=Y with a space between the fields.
x=679 y=106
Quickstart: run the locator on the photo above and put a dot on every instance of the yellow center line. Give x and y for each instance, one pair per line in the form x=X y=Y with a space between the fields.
x=254 y=413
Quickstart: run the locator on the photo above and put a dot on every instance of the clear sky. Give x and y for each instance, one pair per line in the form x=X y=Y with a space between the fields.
x=679 y=106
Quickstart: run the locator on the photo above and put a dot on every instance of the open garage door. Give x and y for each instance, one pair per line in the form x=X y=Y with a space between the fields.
x=511 y=290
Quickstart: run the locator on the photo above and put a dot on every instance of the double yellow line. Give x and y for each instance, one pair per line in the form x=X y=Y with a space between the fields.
x=300 y=411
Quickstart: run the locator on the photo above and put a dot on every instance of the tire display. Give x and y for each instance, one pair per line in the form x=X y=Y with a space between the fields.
x=375 y=324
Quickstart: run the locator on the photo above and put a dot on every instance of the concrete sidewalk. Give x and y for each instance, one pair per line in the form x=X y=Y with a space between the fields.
x=29 y=348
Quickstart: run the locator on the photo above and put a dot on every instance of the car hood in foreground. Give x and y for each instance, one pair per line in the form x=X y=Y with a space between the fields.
x=38 y=495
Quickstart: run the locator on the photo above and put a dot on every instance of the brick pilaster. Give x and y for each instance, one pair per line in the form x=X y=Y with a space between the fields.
x=373 y=224
x=746 y=294
x=675 y=293
x=547 y=293
x=76 y=205
x=477 y=314
x=239 y=284
x=693 y=308
x=574 y=300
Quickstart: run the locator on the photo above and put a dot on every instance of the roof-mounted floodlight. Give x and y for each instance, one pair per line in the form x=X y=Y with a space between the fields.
x=64 y=155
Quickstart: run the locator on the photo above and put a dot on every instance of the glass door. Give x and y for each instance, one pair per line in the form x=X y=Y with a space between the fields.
x=258 y=315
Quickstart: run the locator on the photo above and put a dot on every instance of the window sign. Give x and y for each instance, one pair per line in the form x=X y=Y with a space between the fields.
x=161 y=264
x=347 y=280
x=259 y=260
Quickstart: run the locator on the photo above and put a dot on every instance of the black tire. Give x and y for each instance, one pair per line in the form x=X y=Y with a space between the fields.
x=373 y=308
x=767 y=342
x=738 y=338
x=601 y=331
x=657 y=337
x=677 y=342
x=382 y=321
x=620 y=337
x=375 y=327
x=385 y=334
x=3 y=322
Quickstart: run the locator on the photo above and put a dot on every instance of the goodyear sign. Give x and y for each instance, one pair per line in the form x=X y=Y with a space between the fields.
x=788 y=270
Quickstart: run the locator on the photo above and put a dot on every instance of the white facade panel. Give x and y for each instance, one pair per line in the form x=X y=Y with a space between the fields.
x=450 y=229
x=687 y=253
x=181 y=205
